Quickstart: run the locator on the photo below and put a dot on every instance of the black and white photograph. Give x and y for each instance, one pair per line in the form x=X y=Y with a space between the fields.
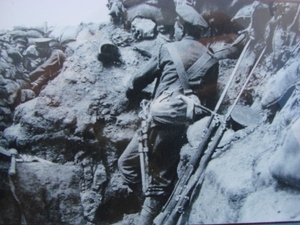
x=149 y=112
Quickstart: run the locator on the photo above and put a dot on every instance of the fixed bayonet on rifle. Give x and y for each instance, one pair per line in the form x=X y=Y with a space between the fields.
x=193 y=175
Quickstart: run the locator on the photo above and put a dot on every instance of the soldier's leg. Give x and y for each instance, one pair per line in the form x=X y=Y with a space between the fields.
x=129 y=163
x=163 y=160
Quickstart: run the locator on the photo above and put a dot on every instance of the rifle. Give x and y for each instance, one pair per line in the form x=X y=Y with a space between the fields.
x=189 y=180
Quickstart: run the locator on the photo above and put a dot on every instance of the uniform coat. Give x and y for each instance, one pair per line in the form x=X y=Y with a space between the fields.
x=166 y=140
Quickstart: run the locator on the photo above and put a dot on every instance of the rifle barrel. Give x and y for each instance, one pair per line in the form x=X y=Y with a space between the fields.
x=246 y=82
x=231 y=77
x=224 y=92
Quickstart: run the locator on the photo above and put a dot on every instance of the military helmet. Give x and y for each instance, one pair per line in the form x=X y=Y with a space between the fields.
x=109 y=53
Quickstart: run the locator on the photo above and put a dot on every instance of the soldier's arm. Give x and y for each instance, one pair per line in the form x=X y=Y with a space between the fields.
x=145 y=76
x=51 y=65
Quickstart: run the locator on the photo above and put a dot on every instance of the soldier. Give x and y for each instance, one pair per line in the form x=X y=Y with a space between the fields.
x=37 y=53
x=43 y=62
x=20 y=43
x=15 y=51
x=182 y=82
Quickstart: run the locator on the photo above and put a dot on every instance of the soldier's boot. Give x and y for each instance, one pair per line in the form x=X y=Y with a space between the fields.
x=150 y=209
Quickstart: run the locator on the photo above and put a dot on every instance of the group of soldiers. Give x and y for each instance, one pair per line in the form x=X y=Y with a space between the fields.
x=29 y=65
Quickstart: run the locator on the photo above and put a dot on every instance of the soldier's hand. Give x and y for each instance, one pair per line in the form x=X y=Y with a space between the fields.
x=33 y=85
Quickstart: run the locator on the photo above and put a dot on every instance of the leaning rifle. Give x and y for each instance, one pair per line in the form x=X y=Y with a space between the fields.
x=188 y=181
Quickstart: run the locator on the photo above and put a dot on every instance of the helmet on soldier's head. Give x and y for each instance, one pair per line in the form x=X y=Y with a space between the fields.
x=189 y=15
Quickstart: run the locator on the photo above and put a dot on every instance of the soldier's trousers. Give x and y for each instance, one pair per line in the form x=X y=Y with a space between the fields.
x=164 y=144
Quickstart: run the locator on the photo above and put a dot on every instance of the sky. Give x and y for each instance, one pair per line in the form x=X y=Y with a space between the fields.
x=54 y=12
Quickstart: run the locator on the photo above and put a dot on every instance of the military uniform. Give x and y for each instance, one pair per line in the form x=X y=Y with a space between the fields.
x=165 y=138
x=48 y=70
x=45 y=66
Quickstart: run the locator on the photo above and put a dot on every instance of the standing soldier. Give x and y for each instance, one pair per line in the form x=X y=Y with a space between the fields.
x=186 y=73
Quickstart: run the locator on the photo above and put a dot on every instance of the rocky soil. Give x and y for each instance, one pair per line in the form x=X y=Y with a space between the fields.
x=70 y=137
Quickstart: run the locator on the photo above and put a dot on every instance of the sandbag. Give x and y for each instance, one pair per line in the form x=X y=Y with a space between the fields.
x=42 y=28
x=285 y=164
x=195 y=132
x=143 y=28
x=34 y=34
x=57 y=32
x=70 y=34
x=130 y=3
x=27 y=33
x=65 y=34
x=280 y=83
x=17 y=33
x=145 y=11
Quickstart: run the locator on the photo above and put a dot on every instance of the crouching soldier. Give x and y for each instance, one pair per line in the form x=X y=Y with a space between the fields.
x=186 y=73
x=45 y=63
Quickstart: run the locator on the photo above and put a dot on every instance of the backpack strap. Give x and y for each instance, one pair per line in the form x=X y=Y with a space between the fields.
x=180 y=69
x=200 y=67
